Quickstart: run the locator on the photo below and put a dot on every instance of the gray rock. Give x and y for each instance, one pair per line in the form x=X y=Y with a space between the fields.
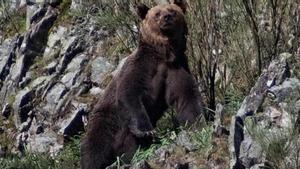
x=7 y=55
x=42 y=142
x=55 y=94
x=73 y=70
x=219 y=129
x=38 y=15
x=183 y=140
x=96 y=91
x=39 y=81
x=164 y=152
x=25 y=126
x=38 y=34
x=6 y=111
x=72 y=123
x=18 y=69
x=77 y=63
x=23 y=3
x=4 y=53
x=33 y=45
x=56 y=43
x=51 y=68
x=251 y=152
x=22 y=105
x=73 y=47
x=31 y=8
x=100 y=66
x=69 y=79
x=26 y=80
x=36 y=127
x=142 y=165
x=286 y=90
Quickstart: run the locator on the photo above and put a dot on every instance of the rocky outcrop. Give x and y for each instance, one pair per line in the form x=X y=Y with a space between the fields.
x=33 y=44
x=48 y=78
x=269 y=106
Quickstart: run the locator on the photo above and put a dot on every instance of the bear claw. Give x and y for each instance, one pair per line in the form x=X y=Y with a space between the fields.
x=140 y=134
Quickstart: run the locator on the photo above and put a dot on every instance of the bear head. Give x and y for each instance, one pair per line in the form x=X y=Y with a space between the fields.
x=163 y=24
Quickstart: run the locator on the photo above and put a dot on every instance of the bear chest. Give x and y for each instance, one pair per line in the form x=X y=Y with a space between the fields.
x=157 y=81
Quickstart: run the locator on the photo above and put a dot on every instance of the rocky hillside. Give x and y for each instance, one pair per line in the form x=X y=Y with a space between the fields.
x=57 y=56
x=50 y=75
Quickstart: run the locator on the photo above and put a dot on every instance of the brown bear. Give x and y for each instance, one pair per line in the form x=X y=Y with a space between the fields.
x=156 y=76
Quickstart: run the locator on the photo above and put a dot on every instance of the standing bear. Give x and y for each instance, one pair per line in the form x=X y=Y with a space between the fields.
x=156 y=76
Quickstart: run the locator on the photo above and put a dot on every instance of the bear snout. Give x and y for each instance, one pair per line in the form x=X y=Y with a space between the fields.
x=168 y=18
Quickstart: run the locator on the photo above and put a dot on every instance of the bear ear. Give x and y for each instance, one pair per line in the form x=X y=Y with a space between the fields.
x=182 y=4
x=141 y=10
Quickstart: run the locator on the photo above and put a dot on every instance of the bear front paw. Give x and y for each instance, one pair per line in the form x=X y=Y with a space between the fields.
x=140 y=134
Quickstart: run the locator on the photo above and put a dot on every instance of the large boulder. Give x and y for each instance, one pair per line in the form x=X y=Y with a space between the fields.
x=265 y=114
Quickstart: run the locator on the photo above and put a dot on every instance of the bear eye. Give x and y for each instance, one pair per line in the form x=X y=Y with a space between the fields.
x=157 y=14
x=173 y=13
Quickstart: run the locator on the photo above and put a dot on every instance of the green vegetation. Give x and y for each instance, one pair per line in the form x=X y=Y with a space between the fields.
x=64 y=17
x=281 y=145
x=11 y=20
x=68 y=158
x=201 y=138
x=164 y=139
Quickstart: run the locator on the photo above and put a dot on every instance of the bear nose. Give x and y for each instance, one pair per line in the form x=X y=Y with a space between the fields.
x=167 y=17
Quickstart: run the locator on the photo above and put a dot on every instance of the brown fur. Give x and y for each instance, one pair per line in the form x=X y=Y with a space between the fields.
x=153 y=78
x=150 y=27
